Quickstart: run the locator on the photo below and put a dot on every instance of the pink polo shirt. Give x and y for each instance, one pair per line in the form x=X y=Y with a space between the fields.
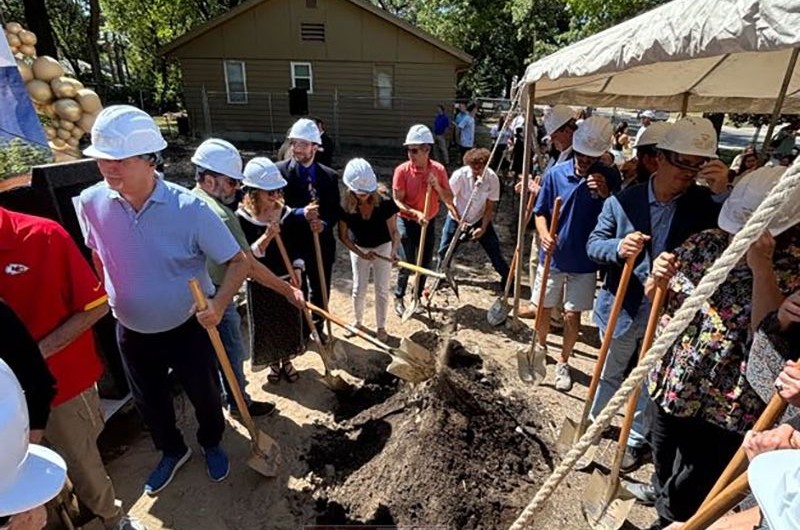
x=414 y=182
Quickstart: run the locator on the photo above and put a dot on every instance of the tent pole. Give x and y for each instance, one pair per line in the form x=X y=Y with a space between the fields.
x=523 y=200
x=684 y=105
x=776 y=112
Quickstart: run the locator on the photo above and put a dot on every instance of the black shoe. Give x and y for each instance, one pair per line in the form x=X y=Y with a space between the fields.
x=323 y=337
x=645 y=494
x=635 y=457
x=256 y=409
x=399 y=307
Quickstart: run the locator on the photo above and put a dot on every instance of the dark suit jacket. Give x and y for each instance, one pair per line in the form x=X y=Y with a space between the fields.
x=629 y=211
x=296 y=194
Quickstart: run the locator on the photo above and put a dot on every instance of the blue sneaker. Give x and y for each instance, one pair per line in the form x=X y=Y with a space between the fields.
x=164 y=472
x=217 y=463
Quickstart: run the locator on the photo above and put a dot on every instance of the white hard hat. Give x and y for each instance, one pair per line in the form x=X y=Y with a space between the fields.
x=359 y=176
x=749 y=193
x=774 y=478
x=691 y=136
x=30 y=475
x=648 y=114
x=123 y=131
x=418 y=134
x=556 y=117
x=653 y=134
x=220 y=157
x=261 y=173
x=305 y=129
x=593 y=137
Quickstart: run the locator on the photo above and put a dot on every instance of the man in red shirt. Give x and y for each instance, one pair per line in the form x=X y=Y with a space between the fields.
x=48 y=283
x=409 y=186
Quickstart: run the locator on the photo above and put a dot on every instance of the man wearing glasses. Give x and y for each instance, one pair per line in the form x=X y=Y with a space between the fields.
x=649 y=220
x=312 y=194
x=218 y=172
x=583 y=184
x=409 y=186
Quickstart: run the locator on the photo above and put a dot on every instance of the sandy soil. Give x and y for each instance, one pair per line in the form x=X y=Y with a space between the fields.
x=310 y=416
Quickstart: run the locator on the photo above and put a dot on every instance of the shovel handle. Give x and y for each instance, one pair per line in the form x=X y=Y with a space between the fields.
x=727 y=498
x=630 y=409
x=213 y=334
x=352 y=329
x=619 y=298
x=412 y=267
x=293 y=274
x=548 y=257
x=775 y=409
x=321 y=272
x=422 y=237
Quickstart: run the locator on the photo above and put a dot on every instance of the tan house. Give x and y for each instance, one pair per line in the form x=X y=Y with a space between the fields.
x=369 y=74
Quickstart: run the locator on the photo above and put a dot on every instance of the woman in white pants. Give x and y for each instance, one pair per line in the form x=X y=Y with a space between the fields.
x=368 y=228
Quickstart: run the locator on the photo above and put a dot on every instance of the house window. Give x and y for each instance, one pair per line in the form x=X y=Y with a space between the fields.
x=311 y=4
x=384 y=86
x=236 y=82
x=302 y=77
x=312 y=32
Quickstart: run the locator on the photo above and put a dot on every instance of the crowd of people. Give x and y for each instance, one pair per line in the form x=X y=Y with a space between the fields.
x=273 y=227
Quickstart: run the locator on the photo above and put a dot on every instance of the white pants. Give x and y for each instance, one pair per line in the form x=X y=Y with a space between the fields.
x=382 y=271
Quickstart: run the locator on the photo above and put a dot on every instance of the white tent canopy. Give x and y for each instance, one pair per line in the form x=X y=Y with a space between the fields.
x=712 y=55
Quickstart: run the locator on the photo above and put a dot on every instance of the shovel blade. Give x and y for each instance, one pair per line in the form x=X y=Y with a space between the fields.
x=498 y=312
x=410 y=310
x=265 y=455
x=606 y=504
x=336 y=383
x=524 y=368
x=406 y=371
x=567 y=436
x=416 y=354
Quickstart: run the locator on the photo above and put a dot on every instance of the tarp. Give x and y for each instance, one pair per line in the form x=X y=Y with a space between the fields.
x=723 y=55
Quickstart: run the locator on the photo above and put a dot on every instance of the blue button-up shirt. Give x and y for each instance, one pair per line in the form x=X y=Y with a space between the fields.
x=579 y=213
x=661 y=215
x=149 y=256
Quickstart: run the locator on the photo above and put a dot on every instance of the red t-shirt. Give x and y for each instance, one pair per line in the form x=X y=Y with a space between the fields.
x=46 y=280
x=414 y=182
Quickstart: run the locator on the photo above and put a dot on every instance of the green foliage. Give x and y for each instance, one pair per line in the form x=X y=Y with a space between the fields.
x=17 y=156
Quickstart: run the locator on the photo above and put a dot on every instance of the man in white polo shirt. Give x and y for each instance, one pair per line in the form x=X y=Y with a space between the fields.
x=149 y=237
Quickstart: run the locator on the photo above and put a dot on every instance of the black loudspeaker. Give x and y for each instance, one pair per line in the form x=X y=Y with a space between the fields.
x=298 y=102
x=50 y=195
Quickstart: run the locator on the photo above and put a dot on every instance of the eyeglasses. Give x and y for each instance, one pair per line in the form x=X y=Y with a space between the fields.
x=413 y=150
x=675 y=159
x=273 y=192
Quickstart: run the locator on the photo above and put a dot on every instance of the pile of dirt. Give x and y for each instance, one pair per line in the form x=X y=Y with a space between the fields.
x=450 y=453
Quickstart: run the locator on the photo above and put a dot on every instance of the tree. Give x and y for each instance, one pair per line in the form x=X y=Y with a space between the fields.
x=37 y=19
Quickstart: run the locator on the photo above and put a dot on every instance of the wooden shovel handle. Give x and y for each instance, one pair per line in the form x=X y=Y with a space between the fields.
x=630 y=409
x=321 y=272
x=775 y=409
x=727 y=498
x=608 y=336
x=202 y=304
x=512 y=269
x=293 y=274
x=547 y=259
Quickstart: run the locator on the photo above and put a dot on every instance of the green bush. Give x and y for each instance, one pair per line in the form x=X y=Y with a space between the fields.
x=17 y=156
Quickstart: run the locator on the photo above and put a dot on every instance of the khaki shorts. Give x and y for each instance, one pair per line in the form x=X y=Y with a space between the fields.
x=575 y=290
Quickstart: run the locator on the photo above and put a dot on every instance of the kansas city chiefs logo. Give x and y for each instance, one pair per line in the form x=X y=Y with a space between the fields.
x=12 y=269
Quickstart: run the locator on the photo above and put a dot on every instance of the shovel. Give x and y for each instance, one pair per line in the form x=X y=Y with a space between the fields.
x=498 y=311
x=571 y=432
x=264 y=451
x=411 y=361
x=607 y=503
x=412 y=307
x=529 y=368
x=322 y=283
x=775 y=409
x=334 y=382
x=422 y=270
x=727 y=498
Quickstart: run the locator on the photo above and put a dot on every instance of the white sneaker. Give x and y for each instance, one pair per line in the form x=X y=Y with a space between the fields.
x=539 y=362
x=130 y=523
x=563 y=377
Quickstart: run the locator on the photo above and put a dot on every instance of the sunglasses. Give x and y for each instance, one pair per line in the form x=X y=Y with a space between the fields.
x=675 y=159
x=273 y=192
x=413 y=150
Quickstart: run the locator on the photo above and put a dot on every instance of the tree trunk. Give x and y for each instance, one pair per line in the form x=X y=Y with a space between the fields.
x=92 y=41
x=38 y=21
x=118 y=60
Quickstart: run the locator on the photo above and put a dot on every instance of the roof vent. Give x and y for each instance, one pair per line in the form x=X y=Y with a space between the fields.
x=312 y=32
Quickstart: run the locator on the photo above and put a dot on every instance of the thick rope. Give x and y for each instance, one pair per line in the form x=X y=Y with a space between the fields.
x=752 y=230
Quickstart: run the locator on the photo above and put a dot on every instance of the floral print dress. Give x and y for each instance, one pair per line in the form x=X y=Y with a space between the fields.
x=704 y=374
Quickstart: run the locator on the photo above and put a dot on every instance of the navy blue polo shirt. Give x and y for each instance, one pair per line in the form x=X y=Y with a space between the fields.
x=579 y=213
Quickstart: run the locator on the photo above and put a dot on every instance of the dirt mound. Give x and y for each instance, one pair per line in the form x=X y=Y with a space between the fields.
x=451 y=453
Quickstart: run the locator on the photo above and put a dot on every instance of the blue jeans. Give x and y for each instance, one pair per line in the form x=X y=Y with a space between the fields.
x=230 y=331
x=489 y=241
x=410 y=232
x=624 y=350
